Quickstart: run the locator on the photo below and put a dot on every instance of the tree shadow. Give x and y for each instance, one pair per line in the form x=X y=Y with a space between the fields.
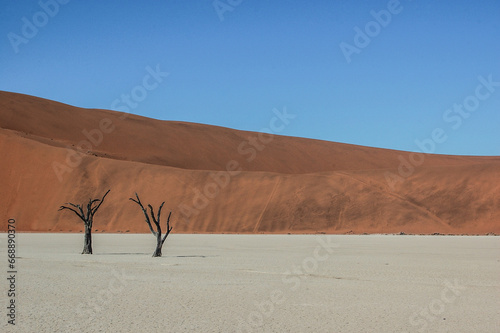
x=119 y=254
x=193 y=256
x=149 y=254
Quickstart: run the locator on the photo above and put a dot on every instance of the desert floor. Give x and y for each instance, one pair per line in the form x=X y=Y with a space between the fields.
x=255 y=283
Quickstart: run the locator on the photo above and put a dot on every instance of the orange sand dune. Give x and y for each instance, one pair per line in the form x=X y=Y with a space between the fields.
x=217 y=179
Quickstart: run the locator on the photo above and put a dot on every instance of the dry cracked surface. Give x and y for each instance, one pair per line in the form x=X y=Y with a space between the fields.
x=256 y=283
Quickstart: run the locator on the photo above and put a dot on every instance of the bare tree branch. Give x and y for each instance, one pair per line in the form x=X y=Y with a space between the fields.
x=87 y=217
x=159 y=211
x=72 y=204
x=76 y=206
x=74 y=211
x=138 y=201
x=156 y=221
x=94 y=210
x=169 y=228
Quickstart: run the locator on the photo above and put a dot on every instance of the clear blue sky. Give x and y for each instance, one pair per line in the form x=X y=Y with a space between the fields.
x=233 y=65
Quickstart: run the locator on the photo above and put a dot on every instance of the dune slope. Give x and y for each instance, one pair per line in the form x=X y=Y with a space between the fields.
x=217 y=179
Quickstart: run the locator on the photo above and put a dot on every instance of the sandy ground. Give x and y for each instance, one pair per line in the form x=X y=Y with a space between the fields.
x=256 y=283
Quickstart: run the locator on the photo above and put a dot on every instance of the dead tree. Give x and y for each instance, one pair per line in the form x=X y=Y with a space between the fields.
x=87 y=216
x=156 y=221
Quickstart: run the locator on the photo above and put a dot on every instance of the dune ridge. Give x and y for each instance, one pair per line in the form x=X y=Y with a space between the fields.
x=220 y=180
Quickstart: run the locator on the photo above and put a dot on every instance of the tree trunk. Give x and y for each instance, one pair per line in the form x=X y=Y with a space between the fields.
x=159 y=245
x=87 y=245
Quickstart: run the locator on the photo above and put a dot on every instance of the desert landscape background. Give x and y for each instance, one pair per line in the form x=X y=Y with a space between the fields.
x=221 y=180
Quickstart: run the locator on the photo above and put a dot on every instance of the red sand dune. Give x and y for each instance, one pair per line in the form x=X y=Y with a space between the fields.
x=287 y=185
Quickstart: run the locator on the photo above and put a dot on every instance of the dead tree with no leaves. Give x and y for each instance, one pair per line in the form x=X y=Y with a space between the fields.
x=88 y=219
x=156 y=221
